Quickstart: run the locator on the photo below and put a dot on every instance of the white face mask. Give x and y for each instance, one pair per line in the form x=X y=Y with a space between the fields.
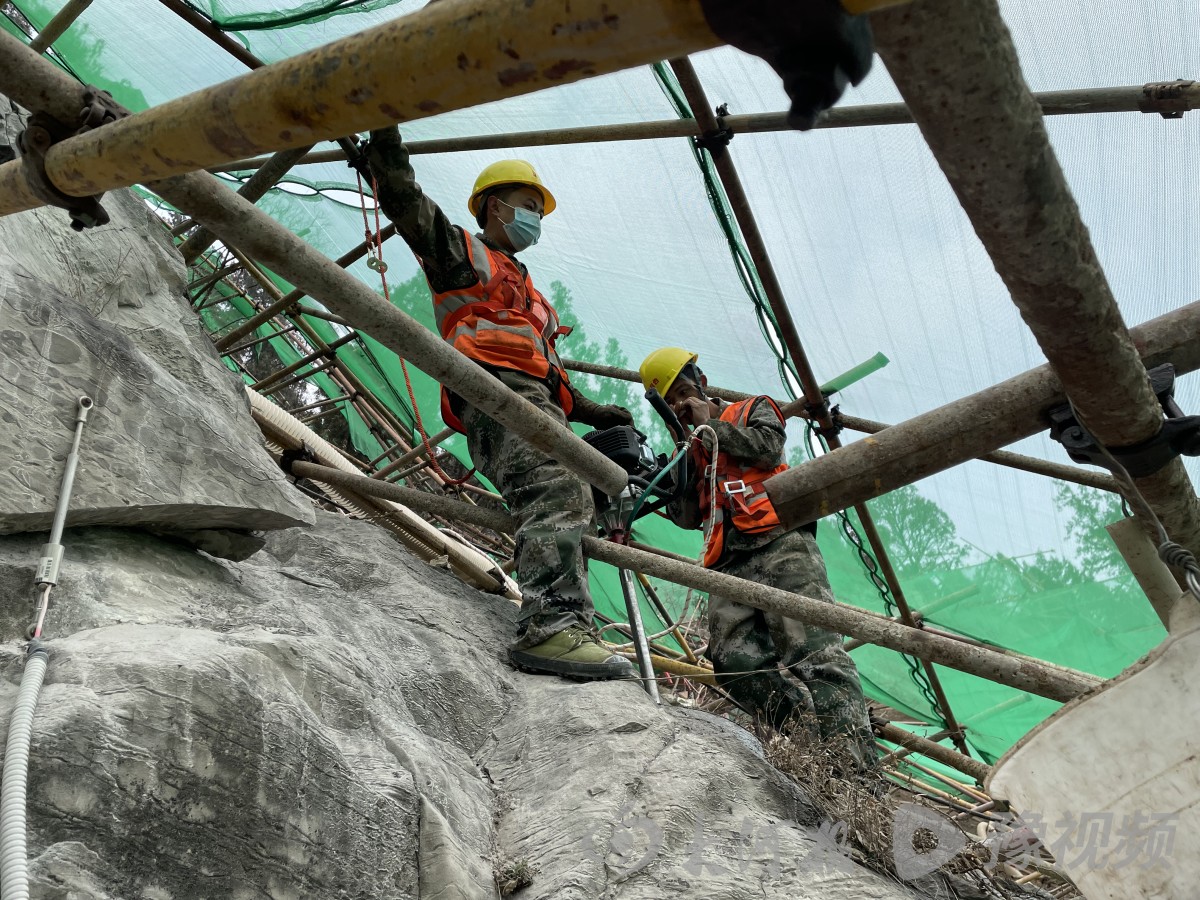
x=525 y=228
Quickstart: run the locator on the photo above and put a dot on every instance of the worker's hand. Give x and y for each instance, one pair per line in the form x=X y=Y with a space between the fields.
x=359 y=162
x=693 y=411
x=816 y=47
x=589 y=412
x=606 y=416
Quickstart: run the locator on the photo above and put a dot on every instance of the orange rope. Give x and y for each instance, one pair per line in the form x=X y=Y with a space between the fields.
x=375 y=243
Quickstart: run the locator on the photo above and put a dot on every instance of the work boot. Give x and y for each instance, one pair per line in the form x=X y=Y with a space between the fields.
x=572 y=653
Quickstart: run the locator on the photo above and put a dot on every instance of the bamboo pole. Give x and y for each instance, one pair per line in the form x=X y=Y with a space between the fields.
x=675 y=667
x=265 y=386
x=972 y=792
x=266 y=337
x=405 y=69
x=57 y=26
x=214 y=34
x=282 y=303
x=316 y=403
x=992 y=145
x=902 y=752
x=1019 y=461
x=689 y=82
x=1155 y=97
x=959 y=431
x=253 y=190
x=947 y=757
x=434 y=440
x=318 y=369
x=1044 y=679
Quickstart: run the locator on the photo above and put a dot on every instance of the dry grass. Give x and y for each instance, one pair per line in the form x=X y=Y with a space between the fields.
x=513 y=876
x=861 y=809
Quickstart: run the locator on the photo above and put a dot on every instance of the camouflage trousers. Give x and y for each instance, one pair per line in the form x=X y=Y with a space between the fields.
x=809 y=677
x=554 y=510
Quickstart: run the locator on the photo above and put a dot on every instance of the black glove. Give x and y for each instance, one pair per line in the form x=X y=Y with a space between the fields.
x=601 y=416
x=815 y=46
x=358 y=159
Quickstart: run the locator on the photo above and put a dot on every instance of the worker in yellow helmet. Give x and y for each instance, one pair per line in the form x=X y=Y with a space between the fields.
x=486 y=307
x=795 y=675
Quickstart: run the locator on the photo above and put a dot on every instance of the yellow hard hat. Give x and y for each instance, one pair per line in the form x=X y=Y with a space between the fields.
x=660 y=369
x=509 y=171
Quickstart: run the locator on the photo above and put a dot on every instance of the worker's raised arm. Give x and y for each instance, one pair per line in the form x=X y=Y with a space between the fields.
x=758 y=443
x=438 y=242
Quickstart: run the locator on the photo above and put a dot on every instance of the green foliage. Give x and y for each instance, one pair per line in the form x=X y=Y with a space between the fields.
x=917 y=532
x=1089 y=510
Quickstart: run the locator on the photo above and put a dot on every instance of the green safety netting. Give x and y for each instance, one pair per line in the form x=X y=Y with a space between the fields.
x=872 y=251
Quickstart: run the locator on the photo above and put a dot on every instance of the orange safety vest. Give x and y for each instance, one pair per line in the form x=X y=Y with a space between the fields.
x=739 y=487
x=502 y=322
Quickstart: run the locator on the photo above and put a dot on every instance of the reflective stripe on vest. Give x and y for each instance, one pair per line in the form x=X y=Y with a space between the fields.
x=502 y=322
x=739 y=487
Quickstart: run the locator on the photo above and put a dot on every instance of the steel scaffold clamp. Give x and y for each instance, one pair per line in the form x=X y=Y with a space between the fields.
x=719 y=138
x=43 y=131
x=1179 y=435
x=1170 y=99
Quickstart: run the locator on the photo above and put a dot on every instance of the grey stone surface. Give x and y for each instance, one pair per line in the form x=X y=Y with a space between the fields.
x=334 y=719
x=171 y=443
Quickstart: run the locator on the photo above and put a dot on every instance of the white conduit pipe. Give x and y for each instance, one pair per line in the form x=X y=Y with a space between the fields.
x=422 y=538
x=14 y=864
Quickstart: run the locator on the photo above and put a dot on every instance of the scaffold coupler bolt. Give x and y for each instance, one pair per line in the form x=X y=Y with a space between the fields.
x=43 y=131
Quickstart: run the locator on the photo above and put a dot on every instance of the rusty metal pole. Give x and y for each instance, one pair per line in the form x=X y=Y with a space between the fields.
x=816 y=404
x=57 y=26
x=992 y=145
x=796 y=409
x=398 y=71
x=1157 y=97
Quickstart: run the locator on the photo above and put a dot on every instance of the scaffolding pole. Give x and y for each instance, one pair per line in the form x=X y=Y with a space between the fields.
x=1023 y=673
x=57 y=26
x=409 y=68
x=796 y=409
x=254 y=189
x=1156 y=97
x=282 y=303
x=992 y=145
x=214 y=34
x=693 y=90
x=959 y=431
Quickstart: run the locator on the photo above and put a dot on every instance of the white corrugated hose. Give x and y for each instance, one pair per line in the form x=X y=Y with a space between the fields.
x=14 y=865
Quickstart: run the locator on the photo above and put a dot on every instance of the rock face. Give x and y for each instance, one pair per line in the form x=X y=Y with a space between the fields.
x=333 y=718
x=170 y=444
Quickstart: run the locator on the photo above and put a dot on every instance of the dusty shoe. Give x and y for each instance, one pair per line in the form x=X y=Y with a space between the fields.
x=573 y=653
